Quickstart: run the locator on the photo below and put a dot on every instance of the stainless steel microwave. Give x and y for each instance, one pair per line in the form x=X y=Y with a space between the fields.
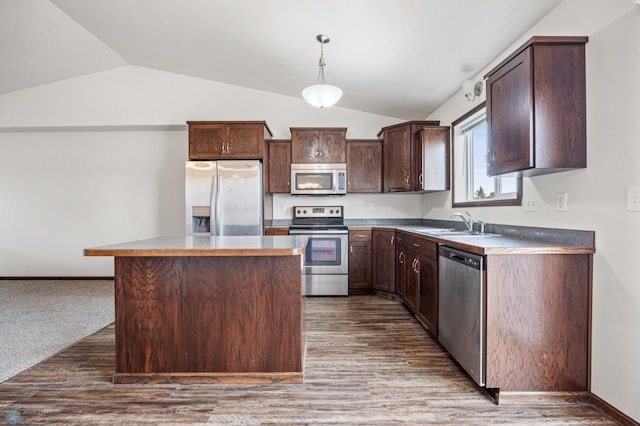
x=319 y=178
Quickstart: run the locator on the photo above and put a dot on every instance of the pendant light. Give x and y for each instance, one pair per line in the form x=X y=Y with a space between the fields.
x=321 y=94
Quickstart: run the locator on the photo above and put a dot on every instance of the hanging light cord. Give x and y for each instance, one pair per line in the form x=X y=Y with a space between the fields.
x=321 y=64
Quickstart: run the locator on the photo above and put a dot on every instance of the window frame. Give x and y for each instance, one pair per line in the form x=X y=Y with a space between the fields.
x=517 y=201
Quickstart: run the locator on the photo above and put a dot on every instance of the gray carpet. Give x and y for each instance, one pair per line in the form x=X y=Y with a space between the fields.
x=39 y=318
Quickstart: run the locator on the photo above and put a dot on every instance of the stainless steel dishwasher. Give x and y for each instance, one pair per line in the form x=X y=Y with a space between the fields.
x=461 y=328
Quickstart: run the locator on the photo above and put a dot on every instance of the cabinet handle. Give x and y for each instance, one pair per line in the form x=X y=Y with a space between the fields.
x=401 y=257
x=415 y=266
x=420 y=179
x=228 y=150
x=488 y=158
x=407 y=180
x=351 y=249
x=393 y=239
x=361 y=236
x=222 y=147
x=416 y=245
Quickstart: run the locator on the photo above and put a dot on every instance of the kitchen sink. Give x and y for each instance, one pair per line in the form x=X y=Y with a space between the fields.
x=429 y=229
x=444 y=232
x=462 y=233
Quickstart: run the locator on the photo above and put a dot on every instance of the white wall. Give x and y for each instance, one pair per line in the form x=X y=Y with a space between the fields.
x=597 y=194
x=99 y=159
x=64 y=191
x=356 y=206
x=141 y=96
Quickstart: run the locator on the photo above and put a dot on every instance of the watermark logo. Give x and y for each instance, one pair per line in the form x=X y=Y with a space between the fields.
x=13 y=417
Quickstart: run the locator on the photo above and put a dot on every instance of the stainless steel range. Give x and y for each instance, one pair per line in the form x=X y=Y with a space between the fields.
x=325 y=261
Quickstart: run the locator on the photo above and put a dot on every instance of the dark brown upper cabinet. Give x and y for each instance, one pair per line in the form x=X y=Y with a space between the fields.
x=403 y=155
x=318 y=145
x=216 y=140
x=536 y=108
x=435 y=159
x=364 y=166
x=279 y=165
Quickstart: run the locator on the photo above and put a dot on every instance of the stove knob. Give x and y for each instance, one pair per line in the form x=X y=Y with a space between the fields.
x=304 y=211
x=331 y=211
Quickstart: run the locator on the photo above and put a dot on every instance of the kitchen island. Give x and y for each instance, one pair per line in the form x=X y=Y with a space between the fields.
x=208 y=309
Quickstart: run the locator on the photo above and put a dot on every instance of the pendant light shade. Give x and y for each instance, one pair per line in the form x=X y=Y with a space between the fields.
x=321 y=94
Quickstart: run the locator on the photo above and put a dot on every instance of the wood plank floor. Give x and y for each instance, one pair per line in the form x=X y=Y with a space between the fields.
x=368 y=362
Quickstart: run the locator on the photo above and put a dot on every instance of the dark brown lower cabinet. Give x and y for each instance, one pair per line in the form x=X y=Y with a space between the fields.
x=401 y=259
x=205 y=319
x=417 y=276
x=360 y=273
x=538 y=322
x=428 y=291
x=412 y=281
x=384 y=275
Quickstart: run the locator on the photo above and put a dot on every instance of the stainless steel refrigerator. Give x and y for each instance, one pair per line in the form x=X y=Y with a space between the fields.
x=223 y=197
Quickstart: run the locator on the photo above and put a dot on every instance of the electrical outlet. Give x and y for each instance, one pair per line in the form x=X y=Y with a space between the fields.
x=370 y=208
x=530 y=204
x=561 y=202
x=633 y=199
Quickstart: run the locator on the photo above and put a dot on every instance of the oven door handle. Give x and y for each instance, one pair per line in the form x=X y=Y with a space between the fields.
x=314 y=232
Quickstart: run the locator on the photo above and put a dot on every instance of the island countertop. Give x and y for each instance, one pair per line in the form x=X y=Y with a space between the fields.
x=204 y=246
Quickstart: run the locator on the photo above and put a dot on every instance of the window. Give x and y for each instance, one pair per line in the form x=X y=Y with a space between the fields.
x=471 y=185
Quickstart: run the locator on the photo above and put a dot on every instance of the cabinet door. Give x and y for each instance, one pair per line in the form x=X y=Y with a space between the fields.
x=224 y=140
x=434 y=174
x=245 y=141
x=364 y=166
x=359 y=266
x=304 y=146
x=412 y=281
x=397 y=159
x=207 y=140
x=332 y=146
x=428 y=293
x=401 y=259
x=384 y=261
x=279 y=164
x=510 y=116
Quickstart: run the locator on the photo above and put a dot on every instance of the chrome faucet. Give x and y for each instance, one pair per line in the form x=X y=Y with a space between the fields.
x=468 y=222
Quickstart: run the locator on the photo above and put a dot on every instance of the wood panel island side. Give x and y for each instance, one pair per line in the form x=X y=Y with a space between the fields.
x=208 y=309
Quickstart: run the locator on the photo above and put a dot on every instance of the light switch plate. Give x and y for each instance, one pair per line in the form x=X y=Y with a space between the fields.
x=633 y=199
x=561 y=201
x=530 y=204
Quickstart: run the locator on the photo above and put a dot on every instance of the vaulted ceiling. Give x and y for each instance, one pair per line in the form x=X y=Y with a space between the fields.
x=399 y=58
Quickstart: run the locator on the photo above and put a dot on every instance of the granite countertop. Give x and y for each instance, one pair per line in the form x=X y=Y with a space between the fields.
x=500 y=239
x=205 y=246
x=565 y=242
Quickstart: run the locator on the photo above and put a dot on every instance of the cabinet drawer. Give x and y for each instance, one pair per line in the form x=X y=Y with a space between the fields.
x=360 y=235
x=419 y=244
x=276 y=231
